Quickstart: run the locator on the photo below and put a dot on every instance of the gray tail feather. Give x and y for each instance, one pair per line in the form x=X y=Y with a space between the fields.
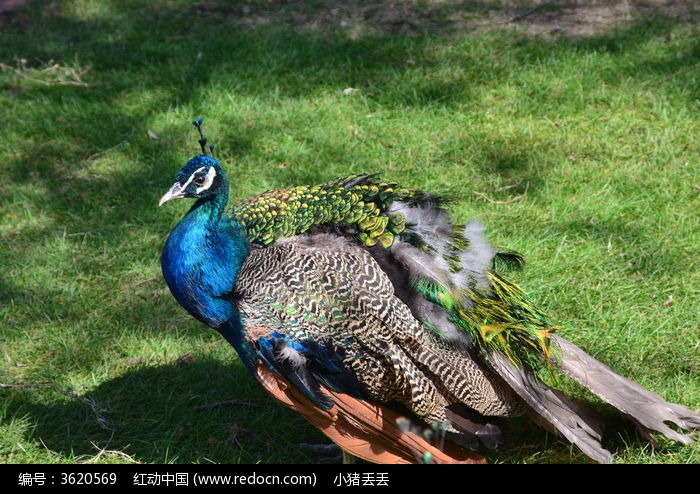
x=648 y=410
x=552 y=410
x=579 y=423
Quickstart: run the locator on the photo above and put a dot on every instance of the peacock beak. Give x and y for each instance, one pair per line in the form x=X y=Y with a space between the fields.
x=175 y=192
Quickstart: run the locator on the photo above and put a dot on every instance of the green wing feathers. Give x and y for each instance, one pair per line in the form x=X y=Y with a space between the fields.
x=357 y=200
x=502 y=320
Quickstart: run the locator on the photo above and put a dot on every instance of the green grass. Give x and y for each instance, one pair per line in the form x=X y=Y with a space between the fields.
x=581 y=153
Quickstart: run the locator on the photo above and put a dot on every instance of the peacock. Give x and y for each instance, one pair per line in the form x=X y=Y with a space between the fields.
x=362 y=305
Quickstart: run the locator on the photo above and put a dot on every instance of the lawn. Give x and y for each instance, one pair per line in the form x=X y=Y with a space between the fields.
x=580 y=150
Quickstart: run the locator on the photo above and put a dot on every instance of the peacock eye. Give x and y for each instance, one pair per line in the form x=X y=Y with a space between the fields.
x=199 y=179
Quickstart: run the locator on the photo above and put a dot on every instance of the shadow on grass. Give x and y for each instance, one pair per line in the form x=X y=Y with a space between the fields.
x=188 y=412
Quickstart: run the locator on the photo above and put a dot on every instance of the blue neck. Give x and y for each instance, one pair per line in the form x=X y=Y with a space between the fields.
x=200 y=262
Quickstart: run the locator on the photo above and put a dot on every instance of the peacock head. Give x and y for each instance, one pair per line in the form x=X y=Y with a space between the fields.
x=200 y=178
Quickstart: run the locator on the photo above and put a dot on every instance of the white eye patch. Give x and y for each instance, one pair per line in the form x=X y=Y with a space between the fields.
x=189 y=180
x=208 y=180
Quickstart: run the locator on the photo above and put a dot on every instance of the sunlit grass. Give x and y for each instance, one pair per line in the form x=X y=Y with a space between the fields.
x=582 y=154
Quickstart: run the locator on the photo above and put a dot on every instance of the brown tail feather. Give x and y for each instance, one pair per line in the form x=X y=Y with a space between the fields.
x=365 y=430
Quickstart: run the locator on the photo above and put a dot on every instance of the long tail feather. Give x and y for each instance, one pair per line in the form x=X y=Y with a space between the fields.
x=552 y=410
x=648 y=410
